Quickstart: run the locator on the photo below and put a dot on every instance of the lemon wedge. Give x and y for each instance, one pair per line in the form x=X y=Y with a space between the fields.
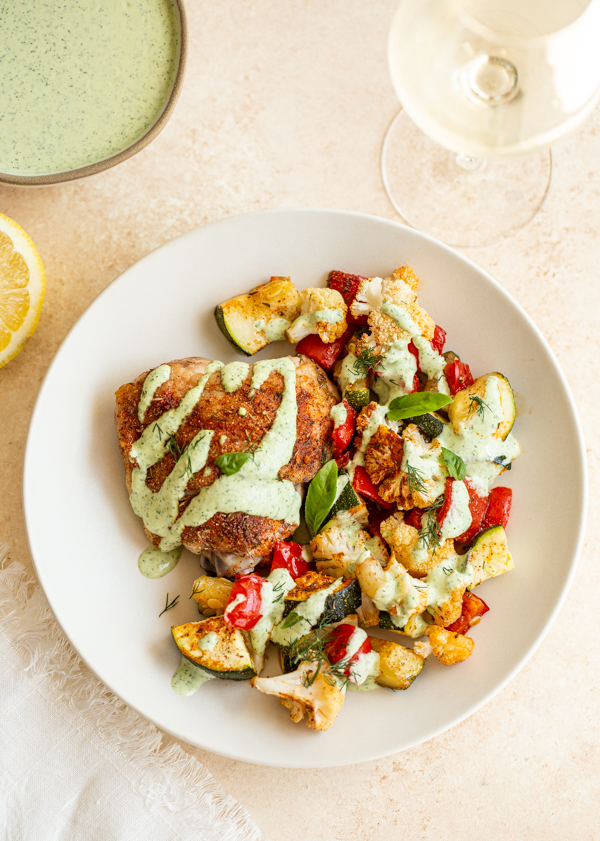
x=22 y=284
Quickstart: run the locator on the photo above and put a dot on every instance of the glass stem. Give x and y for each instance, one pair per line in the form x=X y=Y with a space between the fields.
x=468 y=164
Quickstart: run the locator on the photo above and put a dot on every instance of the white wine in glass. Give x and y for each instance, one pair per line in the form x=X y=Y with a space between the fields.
x=484 y=84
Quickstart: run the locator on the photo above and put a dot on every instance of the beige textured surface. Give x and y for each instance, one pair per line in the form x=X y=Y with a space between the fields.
x=285 y=104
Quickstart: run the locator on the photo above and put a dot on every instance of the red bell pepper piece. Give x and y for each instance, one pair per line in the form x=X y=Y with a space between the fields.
x=376 y=517
x=458 y=375
x=439 y=339
x=473 y=609
x=322 y=353
x=477 y=506
x=347 y=285
x=443 y=511
x=289 y=556
x=337 y=646
x=344 y=433
x=412 y=348
x=343 y=460
x=498 y=510
x=363 y=485
x=414 y=517
x=246 y=613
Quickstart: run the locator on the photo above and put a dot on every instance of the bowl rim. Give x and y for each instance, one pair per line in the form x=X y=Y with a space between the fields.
x=143 y=141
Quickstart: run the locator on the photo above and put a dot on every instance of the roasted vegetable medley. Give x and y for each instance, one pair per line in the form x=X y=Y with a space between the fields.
x=399 y=525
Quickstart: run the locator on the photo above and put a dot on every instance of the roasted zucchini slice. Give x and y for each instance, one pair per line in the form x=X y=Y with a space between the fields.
x=358 y=394
x=346 y=498
x=428 y=425
x=344 y=600
x=469 y=404
x=489 y=555
x=260 y=316
x=226 y=656
x=398 y=666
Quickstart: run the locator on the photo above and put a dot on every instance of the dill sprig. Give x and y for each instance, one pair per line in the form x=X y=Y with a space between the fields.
x=366 y=361
x=477 y=404
x=416 y=479
x=313 y=649
x=156 y=428
x=431 y=533
x=197 y=588
x=173 y=446
x=168 y=605
x=278 y=588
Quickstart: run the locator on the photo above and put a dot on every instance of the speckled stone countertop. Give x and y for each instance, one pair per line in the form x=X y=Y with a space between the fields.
x=286 y=104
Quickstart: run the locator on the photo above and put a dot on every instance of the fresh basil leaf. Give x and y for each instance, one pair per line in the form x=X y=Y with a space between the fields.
x=321 y=496
x=291 y=619
x=412 y=405
x=501 y=461
x=231 y=463
x=456 y=466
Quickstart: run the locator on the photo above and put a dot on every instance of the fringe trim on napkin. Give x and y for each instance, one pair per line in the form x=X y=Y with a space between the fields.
x=168 y=779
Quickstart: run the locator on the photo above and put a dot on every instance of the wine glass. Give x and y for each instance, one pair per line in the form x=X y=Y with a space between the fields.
x=486 y=86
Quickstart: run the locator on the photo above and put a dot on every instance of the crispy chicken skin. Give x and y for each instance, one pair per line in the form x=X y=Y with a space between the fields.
x=238 y=536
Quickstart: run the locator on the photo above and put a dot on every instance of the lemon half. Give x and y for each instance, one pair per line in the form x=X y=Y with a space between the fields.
x=22 y=284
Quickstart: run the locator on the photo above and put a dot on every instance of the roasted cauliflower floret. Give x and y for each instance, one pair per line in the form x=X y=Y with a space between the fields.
x=407 y=275
x=384 y=329
x=339 y=545
x=448 y=647
x=322 y=311
x=364 y=418
x=449 y=611
x=383 y=456
x=392 y=589
x=418 y=488
x=368 y=614
x=403 y=540
x=400 y=290
x=320 y=701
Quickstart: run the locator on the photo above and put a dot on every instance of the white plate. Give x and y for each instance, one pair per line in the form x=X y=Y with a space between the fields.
x=85 y=540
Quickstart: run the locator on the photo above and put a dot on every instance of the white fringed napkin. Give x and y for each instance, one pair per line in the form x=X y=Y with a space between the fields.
x=76 y=764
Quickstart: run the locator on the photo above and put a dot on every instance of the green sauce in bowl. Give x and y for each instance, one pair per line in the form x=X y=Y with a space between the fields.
x=81 y=80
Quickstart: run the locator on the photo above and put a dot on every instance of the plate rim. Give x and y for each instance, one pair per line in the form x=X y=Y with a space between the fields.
x=529 y=650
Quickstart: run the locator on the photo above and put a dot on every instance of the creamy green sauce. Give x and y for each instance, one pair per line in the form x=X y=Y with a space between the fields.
x=310 y=320
x=152 y=383
x=274 y=329
x=428 y=463
x=399 y=594
x=273 y=592
x=189 y=678
x=396 y=371
x=458 y=519
x=367 y=665
x=81 y=80
x=255 y=489
x=338 y=414
x=153 y=563
x=451 y=574
x=234 y=375
x=347 y=374
x=478 y=452
x=208 y=641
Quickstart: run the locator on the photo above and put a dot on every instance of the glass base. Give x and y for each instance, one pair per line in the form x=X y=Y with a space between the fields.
x=460 y=200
